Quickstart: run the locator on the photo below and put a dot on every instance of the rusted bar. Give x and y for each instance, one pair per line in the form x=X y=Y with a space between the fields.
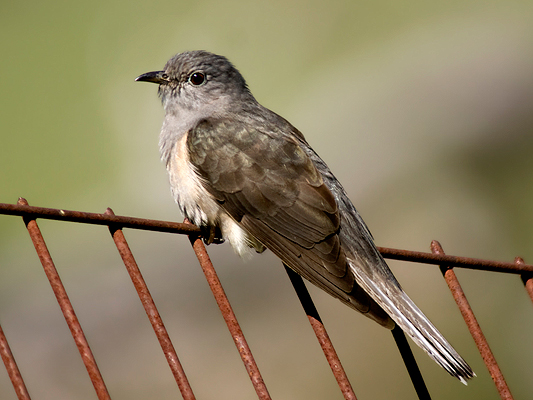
x=454 y=261
x=151 y=310
x=410 y=363
x=527 y=278
x=229 y=317
x=66 y=307
x=321 y=334
x=176 y=227
x=12 y=368
x=473 y=325
x=24 y=210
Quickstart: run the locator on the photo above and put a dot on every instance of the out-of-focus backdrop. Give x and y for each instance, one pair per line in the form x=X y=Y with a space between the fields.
x=424 y=110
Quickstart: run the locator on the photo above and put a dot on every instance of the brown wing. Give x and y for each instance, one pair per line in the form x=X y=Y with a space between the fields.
x=266 y=182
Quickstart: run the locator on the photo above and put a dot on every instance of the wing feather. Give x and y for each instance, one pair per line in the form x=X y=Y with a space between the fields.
x=272 y=188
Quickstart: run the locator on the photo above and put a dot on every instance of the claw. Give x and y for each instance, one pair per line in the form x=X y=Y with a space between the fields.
x=212 y=234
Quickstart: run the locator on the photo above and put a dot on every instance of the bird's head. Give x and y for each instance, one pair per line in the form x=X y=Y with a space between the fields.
x=200 y=82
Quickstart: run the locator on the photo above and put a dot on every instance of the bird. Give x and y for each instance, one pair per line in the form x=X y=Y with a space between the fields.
x=245 y=175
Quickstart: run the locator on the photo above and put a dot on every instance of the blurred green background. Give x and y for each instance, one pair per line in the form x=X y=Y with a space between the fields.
x=422 y=109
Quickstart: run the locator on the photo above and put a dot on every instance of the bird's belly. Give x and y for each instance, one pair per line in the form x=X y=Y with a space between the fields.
x=198 y=205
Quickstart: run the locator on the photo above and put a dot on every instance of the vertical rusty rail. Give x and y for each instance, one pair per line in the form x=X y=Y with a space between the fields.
x=229 y=317
x=66 y=307
x=527 y=278
x=30 y=214
x=151 y=310
x=321 y=334
x=473 y=325
x=410 y=363
x=12 y=368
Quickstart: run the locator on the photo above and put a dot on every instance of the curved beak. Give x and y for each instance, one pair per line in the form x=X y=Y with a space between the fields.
x=158 y=77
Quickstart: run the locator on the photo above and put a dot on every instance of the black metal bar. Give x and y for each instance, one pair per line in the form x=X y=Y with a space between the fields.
x=321 y=334
x=410 y=363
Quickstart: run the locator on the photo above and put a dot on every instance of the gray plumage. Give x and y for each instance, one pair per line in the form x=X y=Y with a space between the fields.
x=244 y=173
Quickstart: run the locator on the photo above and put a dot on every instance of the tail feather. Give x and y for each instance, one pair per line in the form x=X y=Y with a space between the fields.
x=415 y=324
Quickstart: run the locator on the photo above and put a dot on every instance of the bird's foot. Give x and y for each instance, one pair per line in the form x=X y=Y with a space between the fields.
x=212 y=234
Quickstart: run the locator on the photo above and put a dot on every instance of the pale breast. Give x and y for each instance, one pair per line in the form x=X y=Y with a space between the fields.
x=198 y=205
x=194 y=201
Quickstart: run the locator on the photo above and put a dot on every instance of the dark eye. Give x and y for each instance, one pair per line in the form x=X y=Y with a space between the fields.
x=197 y=78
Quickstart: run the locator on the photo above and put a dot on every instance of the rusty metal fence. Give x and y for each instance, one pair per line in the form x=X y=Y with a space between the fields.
x=116 y=223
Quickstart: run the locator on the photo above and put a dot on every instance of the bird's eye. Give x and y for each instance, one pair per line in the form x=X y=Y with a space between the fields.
x=197 y=78
x=165 y=77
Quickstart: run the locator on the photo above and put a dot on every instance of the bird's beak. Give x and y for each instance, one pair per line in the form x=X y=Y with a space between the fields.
x=159 y=77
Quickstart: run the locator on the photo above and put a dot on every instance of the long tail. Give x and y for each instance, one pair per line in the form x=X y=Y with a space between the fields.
x=415 y=324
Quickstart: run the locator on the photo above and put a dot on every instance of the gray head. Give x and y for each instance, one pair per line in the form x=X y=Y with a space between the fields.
x=200 y=82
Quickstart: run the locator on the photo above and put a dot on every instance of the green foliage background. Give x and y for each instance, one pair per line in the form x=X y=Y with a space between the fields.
x=422 y=109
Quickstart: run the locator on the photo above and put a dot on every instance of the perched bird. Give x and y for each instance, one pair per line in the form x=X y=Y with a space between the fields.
x=246 y=175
